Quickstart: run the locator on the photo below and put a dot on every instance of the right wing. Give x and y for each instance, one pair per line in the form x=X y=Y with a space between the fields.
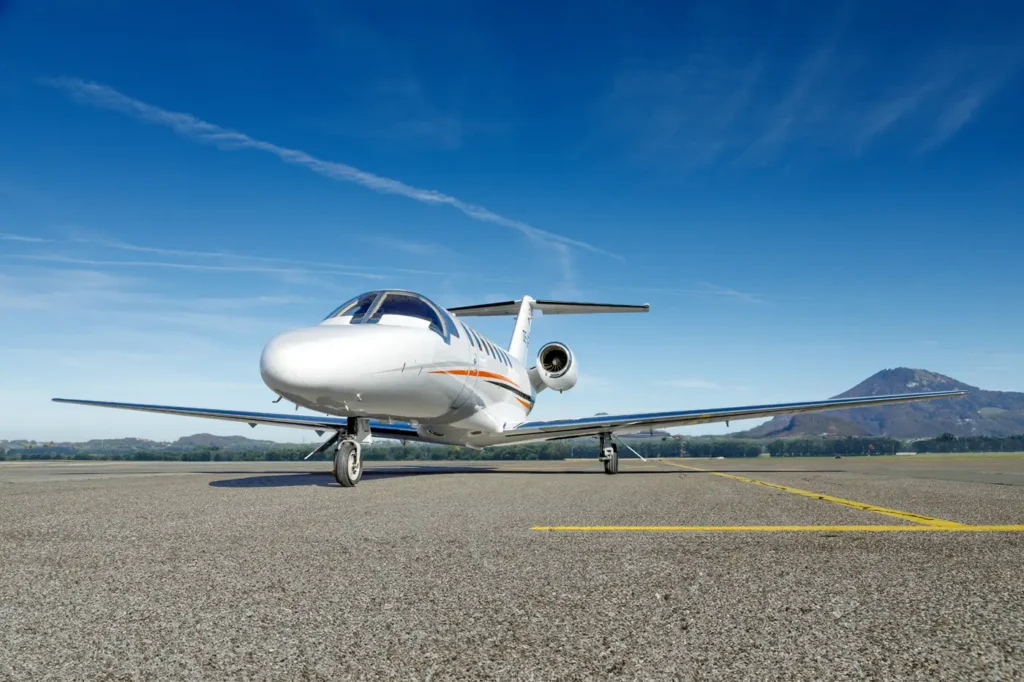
x=627 y=423
x=381 y=429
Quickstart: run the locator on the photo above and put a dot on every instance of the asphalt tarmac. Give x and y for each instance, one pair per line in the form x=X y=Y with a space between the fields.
x=882 y=568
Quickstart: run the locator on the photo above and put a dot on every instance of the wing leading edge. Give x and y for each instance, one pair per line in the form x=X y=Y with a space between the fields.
x=590 y=426
x=534 y=431
x=381 y=429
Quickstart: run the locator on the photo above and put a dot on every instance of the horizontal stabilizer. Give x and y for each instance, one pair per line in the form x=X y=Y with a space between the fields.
x=547 y=307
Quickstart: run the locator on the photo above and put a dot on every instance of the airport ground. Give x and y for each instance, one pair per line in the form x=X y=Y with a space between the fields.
x=895 y=568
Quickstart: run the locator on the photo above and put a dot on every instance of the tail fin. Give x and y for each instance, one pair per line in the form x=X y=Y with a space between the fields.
x=519 y=346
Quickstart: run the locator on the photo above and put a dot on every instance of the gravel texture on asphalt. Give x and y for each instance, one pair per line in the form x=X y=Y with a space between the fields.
x=271 y=571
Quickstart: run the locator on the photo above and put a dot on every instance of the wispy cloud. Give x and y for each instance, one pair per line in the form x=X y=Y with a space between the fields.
x=91 y=301
x=193 y=266
x=758 y=105
x=685 y=114
x=6 y=236
x=964 y=105
x=233 y=256
x=699 y=385
x=709 y=289
x=404 y=111
x=88 y=251
x=187 y=125
x=706 y=289
x=886 y=113
x=787 y=114
x=64 y=289
x=425 y=249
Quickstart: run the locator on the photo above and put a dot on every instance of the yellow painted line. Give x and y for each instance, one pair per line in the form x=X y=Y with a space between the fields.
x=905 y=516
x=951 y=528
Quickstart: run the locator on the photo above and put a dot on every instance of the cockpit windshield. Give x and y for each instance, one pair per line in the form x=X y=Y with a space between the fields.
x=356 y=307
x=379 y=306
x=409 y=305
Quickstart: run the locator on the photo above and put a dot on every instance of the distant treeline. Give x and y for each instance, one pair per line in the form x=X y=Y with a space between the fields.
x=672 y=446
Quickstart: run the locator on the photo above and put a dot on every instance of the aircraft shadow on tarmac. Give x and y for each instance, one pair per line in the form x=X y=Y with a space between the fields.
x=273 y=479
x=326 y=478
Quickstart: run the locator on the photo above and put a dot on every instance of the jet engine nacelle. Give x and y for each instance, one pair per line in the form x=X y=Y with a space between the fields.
x=556 y=368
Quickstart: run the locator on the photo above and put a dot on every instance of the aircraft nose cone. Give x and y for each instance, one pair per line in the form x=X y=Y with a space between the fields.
x=281 y=363
x=361 y=368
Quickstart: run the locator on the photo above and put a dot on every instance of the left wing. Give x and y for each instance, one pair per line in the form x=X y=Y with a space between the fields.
x=381 y=429
x=626 y=423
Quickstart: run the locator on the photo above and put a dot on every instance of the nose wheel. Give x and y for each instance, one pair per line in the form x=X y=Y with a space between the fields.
x=609 y=454
x=348 y=463
x=348 y=453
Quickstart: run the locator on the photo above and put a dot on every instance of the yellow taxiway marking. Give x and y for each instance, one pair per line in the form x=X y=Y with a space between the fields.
x=930 y=521
x=951 y=528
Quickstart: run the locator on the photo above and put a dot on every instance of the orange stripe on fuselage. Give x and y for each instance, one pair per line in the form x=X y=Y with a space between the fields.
x=475 y=373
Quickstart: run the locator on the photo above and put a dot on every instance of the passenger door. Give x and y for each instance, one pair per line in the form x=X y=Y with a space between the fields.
x=469 y=385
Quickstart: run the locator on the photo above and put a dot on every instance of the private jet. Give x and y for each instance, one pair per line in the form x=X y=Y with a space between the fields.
x=394 y=364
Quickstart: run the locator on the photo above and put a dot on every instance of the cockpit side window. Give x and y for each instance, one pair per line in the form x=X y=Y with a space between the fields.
x=356 y=307
x=409 y=306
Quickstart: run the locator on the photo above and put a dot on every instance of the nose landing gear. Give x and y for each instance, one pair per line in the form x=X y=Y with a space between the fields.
x=609 y=454
x=348 y=455
x=348 y=463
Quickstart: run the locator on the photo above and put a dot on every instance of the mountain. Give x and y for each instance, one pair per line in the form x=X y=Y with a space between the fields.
x=823 y=424
x=207 y=440
x=979 y=413
x=127 y=446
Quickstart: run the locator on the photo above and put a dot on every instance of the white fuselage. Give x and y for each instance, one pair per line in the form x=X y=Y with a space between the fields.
x=457 y=388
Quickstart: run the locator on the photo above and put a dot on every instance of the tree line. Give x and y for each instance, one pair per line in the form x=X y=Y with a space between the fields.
x=669 y=446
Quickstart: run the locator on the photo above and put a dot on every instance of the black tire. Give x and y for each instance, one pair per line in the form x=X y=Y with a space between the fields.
x=611 y=465
x=348 y=463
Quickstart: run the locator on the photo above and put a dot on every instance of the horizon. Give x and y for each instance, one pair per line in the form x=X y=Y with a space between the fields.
x=308 y=439
x=803 y=193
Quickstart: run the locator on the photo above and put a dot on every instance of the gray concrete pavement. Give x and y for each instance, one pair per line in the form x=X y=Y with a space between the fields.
x=431 y=571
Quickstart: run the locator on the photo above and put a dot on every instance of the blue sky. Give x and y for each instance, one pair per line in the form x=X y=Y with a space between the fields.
x=805 y=193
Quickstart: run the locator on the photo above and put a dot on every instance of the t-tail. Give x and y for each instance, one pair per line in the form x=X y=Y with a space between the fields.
x=519 y=345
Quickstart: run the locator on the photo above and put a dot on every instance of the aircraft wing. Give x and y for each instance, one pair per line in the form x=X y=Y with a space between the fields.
x=627 y=423
x=378 y=428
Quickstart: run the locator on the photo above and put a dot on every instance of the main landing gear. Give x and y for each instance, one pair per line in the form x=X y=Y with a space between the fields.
x=609 y=454
x=348 y=454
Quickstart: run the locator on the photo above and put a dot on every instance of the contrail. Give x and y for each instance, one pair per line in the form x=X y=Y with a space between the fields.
x=189 y=126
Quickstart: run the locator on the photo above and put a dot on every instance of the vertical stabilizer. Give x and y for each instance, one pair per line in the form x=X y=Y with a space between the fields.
x=519 y=346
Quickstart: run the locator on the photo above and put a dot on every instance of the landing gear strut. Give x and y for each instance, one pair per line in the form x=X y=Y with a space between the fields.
x=609 y=454
x=348 y=455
